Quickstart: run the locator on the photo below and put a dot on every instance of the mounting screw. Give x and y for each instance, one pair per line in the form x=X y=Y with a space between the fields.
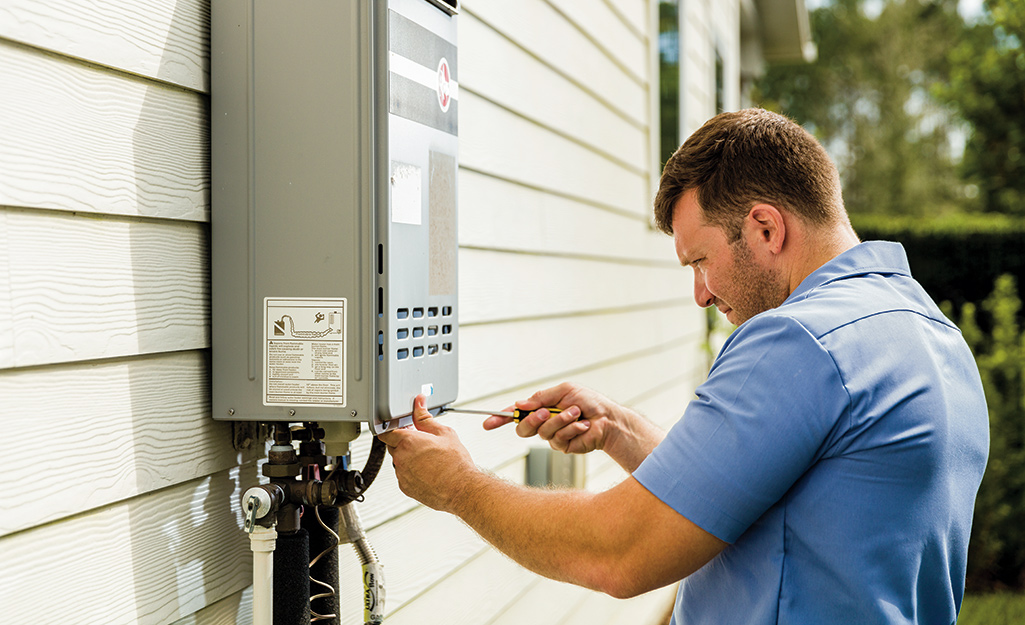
x=291 y=413
x=353 y=413
x=231 y=412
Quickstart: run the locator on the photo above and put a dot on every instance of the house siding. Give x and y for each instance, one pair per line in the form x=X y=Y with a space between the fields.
x=131 y=511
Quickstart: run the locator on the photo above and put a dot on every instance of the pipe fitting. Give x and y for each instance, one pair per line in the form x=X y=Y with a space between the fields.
x=338 y=435
x=263 y=540
x=259 y=503
x=313 y=492
x=281 y=470
x=350 y=486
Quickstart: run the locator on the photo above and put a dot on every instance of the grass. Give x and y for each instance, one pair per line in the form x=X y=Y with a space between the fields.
x=1003 y=608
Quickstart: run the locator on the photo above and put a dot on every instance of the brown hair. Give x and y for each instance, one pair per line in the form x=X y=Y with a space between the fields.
x=743 y=158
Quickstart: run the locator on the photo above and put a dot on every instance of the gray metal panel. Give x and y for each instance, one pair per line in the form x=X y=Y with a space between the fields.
x=302 y=149
x=313 y=232
x=407 y=279
x=232 y=356
x=291 y=199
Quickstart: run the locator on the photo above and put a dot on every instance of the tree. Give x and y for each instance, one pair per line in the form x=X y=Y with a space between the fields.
x=868 y=97
x=987 y=87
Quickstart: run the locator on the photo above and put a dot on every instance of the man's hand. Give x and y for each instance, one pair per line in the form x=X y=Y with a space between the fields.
x=431 y=465
x=565 y=431
x=625 y=435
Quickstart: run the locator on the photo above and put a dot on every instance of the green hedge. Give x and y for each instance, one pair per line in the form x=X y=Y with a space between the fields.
x=955 y=258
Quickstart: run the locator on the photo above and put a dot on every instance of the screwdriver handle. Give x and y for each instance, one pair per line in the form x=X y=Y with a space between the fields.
x=519 y=414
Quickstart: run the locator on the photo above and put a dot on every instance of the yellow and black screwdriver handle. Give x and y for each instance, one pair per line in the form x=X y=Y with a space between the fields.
x=519 y=415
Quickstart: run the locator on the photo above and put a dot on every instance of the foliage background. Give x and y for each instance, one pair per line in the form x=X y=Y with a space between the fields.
x=997 y=546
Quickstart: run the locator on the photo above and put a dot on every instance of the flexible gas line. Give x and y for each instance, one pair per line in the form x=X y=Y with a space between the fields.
x=373 y=572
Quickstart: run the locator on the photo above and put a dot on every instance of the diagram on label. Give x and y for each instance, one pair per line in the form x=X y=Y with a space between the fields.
x=304 y=352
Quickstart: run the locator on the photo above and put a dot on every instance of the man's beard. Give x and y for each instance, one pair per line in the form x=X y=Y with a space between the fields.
x=754 y=289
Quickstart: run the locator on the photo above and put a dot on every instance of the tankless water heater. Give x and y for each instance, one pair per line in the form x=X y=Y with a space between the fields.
x=333 y=225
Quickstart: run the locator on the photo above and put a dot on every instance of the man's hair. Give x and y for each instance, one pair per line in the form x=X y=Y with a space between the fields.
x=743 y=158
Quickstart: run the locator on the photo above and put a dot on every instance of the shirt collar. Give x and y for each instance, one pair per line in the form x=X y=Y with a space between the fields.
x=868 y=257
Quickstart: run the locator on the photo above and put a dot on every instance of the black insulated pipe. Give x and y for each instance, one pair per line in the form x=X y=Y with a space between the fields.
x=378 y=450
x=292 y=578
x=324 y=600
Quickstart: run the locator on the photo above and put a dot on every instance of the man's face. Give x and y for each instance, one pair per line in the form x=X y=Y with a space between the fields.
x=726 y=275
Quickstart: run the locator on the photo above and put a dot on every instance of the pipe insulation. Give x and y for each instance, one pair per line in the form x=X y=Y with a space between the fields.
x=322 y=524
x=378 y=451
x=292 y=579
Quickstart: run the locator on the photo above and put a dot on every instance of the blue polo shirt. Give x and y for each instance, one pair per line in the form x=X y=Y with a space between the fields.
x=838 y=445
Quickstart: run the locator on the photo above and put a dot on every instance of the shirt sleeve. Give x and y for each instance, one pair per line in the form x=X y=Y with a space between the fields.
x=771 y=406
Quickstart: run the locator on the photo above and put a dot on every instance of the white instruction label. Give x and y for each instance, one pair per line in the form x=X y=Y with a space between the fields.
x=304 y=352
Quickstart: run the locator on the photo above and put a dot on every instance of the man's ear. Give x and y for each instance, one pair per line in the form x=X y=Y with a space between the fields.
x=765 y=226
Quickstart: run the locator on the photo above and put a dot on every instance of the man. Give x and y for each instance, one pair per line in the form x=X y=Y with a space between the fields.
x=826 y=471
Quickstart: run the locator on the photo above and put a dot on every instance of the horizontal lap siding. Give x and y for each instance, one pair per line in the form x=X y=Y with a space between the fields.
x=83 y=138
x=148 y=560
x=706 y=26
x=496 y=142
x=235 y=609
x=84 y=288
x=697 y=94
x=553 y=102
x=119 y=429
x=533 y=352
x=104 y=303
x=162 y=39
x=500 y=215
x=499 y=286
x=541 y=30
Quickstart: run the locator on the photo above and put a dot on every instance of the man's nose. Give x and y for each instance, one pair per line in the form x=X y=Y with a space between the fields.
x=702 y=295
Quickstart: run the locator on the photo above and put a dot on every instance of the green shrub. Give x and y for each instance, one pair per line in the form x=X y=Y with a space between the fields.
x=996 y=553
x=955 y=258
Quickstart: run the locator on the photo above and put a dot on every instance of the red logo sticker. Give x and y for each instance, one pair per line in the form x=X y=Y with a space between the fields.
x=444 y=85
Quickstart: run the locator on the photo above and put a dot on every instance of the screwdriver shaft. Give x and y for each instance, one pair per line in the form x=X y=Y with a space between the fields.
x=516 y=415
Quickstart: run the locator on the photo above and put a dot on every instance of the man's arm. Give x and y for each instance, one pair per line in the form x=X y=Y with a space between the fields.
x=624 y=541
x=624 y=435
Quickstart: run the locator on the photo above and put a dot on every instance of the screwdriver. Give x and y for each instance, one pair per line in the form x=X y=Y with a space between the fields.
x=516 y=415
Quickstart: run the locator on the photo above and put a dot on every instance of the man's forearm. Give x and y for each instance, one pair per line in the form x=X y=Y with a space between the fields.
x=623 y=541
x=560 y=534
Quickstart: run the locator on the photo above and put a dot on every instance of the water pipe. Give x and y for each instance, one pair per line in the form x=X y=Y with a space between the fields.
x=261 y=542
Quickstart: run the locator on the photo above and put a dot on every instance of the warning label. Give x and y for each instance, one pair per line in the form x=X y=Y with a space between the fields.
x=304 y=352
